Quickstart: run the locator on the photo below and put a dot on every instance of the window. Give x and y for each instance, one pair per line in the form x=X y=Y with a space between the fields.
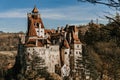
x=77 y=46
x=38 y=24
x=80 y=53
x=76 y=52
x=65 y=52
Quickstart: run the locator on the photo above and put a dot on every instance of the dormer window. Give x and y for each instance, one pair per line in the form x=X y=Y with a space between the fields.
x=38 y=24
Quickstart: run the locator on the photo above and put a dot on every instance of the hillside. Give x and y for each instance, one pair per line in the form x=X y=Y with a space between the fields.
x=9 y=41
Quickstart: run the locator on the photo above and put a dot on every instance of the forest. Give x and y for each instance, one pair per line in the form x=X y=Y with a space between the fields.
x=102 y=50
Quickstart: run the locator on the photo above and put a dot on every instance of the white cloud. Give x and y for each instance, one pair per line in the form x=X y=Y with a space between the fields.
x=69 y=13
x=14 y=13
x=73 y=13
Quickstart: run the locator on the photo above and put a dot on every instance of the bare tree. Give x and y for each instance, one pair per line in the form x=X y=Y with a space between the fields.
x=111 y=3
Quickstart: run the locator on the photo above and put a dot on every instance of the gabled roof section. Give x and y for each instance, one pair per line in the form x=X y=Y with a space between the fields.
x=65 y=44
x=75 y=39
x=35 y=10
x=75 y=29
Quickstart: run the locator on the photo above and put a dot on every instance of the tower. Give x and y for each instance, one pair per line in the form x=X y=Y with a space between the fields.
x=35 y=24
x=65 y=50
x=36 y=44
x=34 y=41
x=75 y=52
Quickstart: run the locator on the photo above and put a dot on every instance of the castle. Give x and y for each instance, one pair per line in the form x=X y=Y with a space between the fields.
x=59 y=48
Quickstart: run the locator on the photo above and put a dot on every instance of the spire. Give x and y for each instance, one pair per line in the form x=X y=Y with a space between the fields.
x=35 y=10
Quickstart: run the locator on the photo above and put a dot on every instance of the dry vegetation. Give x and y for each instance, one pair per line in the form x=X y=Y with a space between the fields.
x=9 y=41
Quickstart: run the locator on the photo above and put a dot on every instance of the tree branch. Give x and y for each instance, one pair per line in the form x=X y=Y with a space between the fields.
x=118 y=23
x=111 y=3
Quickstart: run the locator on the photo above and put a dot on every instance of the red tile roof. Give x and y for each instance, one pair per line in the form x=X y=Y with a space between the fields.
x=38 y=20
x=75 y=29
x=40 y=44
x=50 y=31
x=32 y=43
x=31 y=29
x=65 y=44
x=29 y=45
x=75 y=39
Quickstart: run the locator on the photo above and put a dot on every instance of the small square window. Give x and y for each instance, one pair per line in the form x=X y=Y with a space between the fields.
x=76 y=52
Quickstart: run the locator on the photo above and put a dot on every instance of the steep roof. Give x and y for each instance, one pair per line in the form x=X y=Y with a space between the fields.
x=65 y=44
x=75 y=39
x=31 y=30
x=75 y=29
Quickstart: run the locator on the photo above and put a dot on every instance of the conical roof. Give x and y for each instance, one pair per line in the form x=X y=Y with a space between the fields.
x=35 y=10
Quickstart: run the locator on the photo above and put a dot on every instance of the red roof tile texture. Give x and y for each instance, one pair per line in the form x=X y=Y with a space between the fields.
x=75 y=40
x=32 y=43
x=31 y=29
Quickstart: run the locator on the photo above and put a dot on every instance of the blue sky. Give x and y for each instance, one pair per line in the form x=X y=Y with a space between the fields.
x=54 y=13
